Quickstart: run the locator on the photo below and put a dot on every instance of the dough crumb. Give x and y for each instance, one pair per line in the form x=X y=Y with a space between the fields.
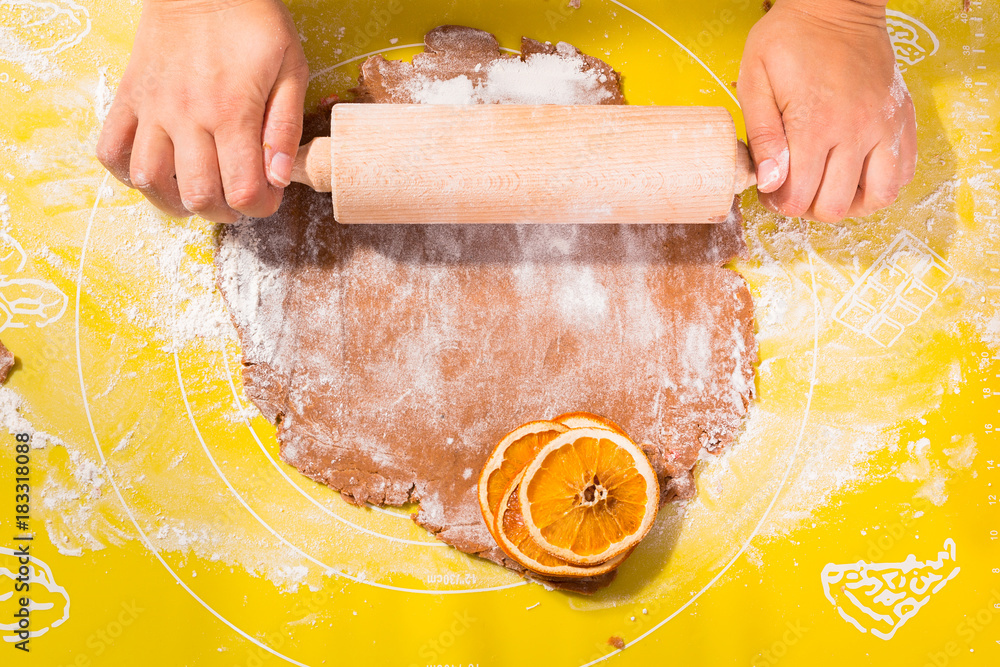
x=6 y=362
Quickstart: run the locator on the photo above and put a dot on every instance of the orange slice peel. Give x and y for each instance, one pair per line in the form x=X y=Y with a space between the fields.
x=516 y=541
x=588 y=420
x=508 y=459
x=588 y=496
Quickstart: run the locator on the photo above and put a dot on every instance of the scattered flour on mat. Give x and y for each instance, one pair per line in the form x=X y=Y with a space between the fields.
x=185 y=307
x=70 y=485
x=81 y=514
x=832 y=460
x=184 y=304
x=837 y=450
x=10 y=412
x=927 y=468
x=103 y=94
x=33 y=34
x=39 y=66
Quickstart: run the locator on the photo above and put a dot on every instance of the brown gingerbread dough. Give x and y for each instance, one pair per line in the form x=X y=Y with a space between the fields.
x=6 y=362
x=393 y=358
x=457 y=51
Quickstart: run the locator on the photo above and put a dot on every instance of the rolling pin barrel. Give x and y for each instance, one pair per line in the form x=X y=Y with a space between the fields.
x=402 y=163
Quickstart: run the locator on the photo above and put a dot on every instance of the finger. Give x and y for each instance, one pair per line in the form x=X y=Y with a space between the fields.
x=807 y=162
x=839 y=185
x=283 y=118
x=888 y=167
x=765 y=130
x=198 y=178
x=880 y=182
x=114 y=147
x=908 y=146
x=241 y=162
x=151 y=169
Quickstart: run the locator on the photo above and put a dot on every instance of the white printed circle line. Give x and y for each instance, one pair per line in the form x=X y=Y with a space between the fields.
x=277 y=466
x=111 y=477
x=805 y=414
x=774 y=498
x=149 y=545
x=329 y=69
x=355 y=59
x=327 y=569
x=15 y=246
x=683 y=48
x=253 y=433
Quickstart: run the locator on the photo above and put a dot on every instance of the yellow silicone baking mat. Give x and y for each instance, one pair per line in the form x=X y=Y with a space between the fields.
x=855 y=522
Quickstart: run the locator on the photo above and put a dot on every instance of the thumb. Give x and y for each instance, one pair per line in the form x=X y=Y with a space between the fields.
x=283 y=118
x=765 y=130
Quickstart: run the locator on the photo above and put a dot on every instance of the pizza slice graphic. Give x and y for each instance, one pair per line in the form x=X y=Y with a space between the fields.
x=881 y=597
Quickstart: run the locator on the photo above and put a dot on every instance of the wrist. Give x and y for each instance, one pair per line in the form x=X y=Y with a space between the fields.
x=195 y=6
x=842 y=13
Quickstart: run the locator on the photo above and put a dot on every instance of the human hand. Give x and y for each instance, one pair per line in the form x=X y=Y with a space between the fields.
x=830 y=123
x=208 y=116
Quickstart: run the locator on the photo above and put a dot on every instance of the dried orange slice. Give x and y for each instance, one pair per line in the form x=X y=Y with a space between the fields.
x=514 y=538
x=589 y=495
x=588 y=419
x=509 y=458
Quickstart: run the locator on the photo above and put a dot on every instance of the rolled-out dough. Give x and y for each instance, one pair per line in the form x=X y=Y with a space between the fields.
x=393 y=358
x=6 y=362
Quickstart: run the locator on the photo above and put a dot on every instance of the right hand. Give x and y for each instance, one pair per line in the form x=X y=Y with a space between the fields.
x=208 y=116
x=831 y=125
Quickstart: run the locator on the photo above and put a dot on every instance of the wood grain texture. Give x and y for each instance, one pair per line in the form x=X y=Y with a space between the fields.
x=312 y=164
x=405 y=163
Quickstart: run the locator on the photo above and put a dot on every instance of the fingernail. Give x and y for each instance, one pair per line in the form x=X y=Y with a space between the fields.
x=768 y=175
x=281 y=168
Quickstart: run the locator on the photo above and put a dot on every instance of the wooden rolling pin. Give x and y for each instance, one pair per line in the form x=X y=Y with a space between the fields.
x=496 y=163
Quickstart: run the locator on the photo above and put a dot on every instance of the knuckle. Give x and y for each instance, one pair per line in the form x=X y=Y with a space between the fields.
x=829 y=213
x=235 y=115
x=865 y=210
x=762 y=135
x=794 y=206
x=882 y=197
x=107 y=152
x=244 y=198
x=285 y=126
x=858 y=123
x=221 y=215
x=886 y=198
x=298 y=70
x=199 y=201
x=141 y=176
x=114 y=155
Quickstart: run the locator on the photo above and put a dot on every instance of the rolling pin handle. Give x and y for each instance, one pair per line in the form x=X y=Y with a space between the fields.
x=312 y=165
x=746 y=175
